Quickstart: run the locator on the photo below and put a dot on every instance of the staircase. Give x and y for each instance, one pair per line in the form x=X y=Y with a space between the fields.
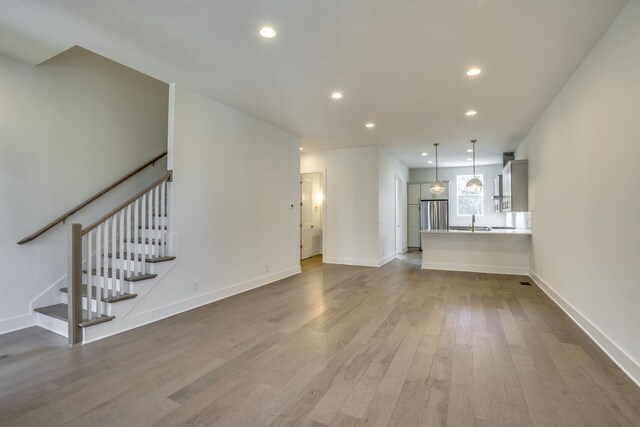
x=110 y=260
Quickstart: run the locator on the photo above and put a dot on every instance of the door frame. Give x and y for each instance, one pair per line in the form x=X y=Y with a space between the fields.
x=323 y=220
x=398 y=224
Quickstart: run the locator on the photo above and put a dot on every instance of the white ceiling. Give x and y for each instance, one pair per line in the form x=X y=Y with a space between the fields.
x=400 y=64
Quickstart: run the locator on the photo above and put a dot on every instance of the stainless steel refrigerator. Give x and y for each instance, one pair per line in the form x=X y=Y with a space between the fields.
x=434 y=215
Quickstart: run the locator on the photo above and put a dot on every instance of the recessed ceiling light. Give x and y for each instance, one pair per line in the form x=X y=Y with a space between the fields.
x=469 y=159
x=336 y=95
x=470 y=150
x=300 y=148
x=267 y=32
x=473 y=72
x=471 y=113
x=424 y=154
x=430 y=161
x=370 y=125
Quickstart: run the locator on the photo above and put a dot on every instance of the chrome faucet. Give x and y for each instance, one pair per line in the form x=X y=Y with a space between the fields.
x=473 y=223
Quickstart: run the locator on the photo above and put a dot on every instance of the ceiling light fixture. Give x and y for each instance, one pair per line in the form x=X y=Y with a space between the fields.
x=473 y=72
x=370 y=125
x=300 y=148
x=474 y=183
x=430 y=161
x=470 y=150
x=471 y=113
x=336 y=95
x=424 y=154
x=267 y=32
x=437 y=186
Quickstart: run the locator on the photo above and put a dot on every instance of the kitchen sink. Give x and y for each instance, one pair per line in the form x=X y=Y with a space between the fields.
x=468 y=228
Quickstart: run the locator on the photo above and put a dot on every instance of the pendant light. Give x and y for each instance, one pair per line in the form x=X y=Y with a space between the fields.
x=474 y=183
x=437 y=186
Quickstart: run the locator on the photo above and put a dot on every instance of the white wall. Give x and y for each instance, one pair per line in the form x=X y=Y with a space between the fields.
x=351 y=203
x=389 y=168
x=236 y=196
x=68 y=128
x=584 y=155
x=489 y=218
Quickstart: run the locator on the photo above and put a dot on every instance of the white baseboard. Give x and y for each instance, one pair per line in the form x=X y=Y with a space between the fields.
x=386 y=259
x=352 y=261
x=15 y=323
x=475 y=268
x=105 y=330
x=625 y=362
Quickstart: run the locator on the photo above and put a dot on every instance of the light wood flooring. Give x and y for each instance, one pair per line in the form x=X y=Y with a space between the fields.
x=335 y=345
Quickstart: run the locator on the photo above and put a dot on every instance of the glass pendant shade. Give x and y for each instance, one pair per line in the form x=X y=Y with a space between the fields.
x=474 y=183
x=436 y=187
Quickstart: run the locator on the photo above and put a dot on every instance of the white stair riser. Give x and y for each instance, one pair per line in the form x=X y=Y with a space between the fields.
x=109 y=282
x=60 y=327
x=106 y=308
x=142 y=248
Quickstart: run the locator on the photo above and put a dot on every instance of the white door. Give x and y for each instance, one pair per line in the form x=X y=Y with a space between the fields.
x=398 y=216
x=306 y=217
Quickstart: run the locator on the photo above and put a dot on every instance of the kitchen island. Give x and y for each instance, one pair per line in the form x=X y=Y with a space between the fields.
x=491 y=251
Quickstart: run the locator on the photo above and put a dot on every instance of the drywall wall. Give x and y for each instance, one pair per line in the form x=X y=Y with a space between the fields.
x=389 y=168
x=351 y=203
x=583 y=161
x=449 y=174
x=68 y=128
x=236 y=213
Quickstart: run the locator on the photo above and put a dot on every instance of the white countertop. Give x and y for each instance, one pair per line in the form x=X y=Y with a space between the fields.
x=519 y=232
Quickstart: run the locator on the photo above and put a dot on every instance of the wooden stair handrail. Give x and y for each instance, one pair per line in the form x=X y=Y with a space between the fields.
x=130 y=200
x=63 y=217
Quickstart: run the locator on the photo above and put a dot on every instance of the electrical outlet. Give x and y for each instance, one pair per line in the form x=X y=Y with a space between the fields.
x=196 y=286
x=266 y=268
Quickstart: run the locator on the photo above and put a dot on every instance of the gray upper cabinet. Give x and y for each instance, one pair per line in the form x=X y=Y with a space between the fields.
x=515 y=187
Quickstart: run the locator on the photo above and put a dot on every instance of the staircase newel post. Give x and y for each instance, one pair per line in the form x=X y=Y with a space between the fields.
x=75 y=284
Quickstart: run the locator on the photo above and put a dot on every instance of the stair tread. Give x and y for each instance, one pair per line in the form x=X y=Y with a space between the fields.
x=111 y=298
x=61 y=312
x=151 y=259
x=153 y=227
x=146 y=241
x=110 y=274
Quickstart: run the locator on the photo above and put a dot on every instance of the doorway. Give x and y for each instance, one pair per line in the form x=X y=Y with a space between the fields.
x=311 y=214
x=398 y=222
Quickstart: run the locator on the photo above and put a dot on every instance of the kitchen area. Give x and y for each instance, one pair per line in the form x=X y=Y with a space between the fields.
x=471 y=220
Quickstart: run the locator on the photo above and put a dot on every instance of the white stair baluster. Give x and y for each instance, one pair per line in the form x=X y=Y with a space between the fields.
x=130 y=262
x=121 y=260
x=161 y=221
x=114 y=248
x=98 y=279
x=150 y=233
x=157 y=233
x=134 y=241
x=89 y=276
x=143 y=212
x=105 y=261
x=169 y=219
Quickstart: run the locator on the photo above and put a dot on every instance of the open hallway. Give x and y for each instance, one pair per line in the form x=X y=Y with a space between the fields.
x=335 y=345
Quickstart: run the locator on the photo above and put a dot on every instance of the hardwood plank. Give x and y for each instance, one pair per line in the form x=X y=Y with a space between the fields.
x=333 y=346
